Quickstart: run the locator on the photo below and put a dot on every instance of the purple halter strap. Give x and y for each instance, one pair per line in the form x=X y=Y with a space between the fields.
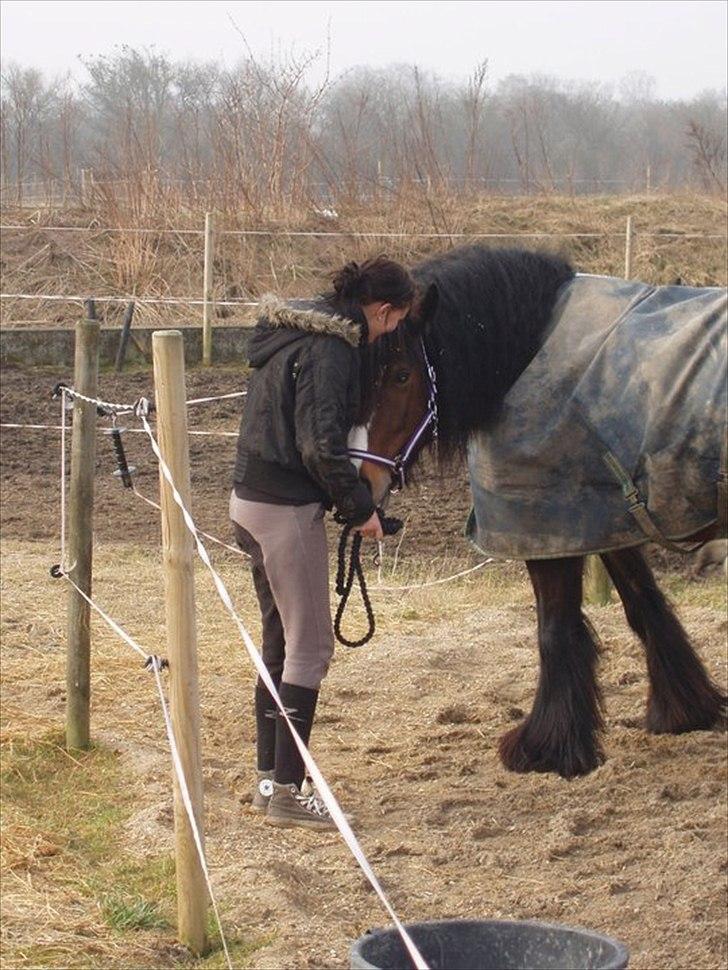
x=399 y=464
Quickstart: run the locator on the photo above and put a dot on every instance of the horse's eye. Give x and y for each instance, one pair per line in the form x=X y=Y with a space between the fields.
x=401 y=377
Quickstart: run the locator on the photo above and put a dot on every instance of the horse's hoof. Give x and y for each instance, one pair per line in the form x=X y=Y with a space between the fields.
x=712 y=716
x=518 y=755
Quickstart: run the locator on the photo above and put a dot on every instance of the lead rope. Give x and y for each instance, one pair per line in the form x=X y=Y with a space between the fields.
x=345 y=585
x=345 y=581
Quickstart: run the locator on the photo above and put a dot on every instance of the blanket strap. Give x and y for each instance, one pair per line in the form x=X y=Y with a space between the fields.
x=638 y=509
x=722 y=488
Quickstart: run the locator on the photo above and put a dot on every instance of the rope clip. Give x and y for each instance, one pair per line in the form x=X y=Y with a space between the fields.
x=58 y=389
x=143 y=408
x=152 y=661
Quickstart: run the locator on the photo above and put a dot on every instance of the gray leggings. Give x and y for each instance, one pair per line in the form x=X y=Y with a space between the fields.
x=290 y=565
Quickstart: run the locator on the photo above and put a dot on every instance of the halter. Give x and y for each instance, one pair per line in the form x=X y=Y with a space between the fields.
x=399 y=464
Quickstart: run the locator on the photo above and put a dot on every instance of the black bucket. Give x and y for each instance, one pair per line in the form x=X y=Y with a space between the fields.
x=490 y=945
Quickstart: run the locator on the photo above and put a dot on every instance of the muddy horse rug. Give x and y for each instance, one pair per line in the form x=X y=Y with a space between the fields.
x=615 y=433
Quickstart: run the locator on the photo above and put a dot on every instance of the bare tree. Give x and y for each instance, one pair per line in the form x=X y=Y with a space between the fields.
x=26 y=100
x=473 y=102
x=709 y=155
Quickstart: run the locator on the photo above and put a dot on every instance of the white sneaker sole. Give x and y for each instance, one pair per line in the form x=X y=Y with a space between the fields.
x=300 y=823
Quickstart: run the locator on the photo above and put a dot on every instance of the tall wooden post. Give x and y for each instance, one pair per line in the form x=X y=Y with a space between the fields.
x=178 y=555
x=597 y=584
x=86 y=186
x=628 y=250
x=208 y=306
x=79 y=551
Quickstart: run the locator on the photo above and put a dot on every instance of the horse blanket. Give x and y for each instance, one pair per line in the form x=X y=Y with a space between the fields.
x=623 y=408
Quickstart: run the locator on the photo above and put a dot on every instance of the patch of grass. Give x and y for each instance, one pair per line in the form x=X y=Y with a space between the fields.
x=69 y=796
x=63 y=816
x=685 y=591
x=126 y=912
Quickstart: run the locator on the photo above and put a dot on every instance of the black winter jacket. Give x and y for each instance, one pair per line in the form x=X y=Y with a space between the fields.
x=303 y=395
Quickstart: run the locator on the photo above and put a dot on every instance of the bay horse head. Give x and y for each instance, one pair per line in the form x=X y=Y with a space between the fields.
x=405 y=416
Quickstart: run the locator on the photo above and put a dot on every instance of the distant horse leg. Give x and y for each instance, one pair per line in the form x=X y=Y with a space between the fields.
x=682 y=696
x=561 y=733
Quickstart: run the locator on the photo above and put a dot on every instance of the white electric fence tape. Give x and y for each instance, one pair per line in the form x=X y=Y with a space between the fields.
x=318 y=779
x=154 y=664
x=355 y=234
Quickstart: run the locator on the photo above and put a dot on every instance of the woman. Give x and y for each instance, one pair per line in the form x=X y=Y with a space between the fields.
x=292 y=463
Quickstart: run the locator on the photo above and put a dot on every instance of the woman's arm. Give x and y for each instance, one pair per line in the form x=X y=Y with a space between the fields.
x=324 y=374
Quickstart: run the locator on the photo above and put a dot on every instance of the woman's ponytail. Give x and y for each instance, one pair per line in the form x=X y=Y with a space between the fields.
x=347 y=282
x=375 y=279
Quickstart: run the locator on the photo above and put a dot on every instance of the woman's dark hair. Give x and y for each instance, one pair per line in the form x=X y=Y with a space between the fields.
x=375 y=279
x=355 y=285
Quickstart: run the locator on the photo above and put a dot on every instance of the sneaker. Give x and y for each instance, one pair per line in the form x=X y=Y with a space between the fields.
x=288 y=808
x=262 y=792
x=308 y=788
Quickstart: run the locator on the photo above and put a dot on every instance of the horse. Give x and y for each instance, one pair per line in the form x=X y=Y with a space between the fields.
x=446 y=384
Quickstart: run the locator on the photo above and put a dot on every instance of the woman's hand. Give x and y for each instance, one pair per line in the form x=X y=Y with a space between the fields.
x=372 y=528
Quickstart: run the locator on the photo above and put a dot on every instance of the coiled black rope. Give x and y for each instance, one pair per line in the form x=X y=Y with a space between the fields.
x=345 y=578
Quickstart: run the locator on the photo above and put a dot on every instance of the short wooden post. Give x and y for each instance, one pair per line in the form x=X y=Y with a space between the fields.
x=628 y=250
x=208 y=306
x=85 y=187
x=79 y=551
x=178 y=555
x=597 y=582
x=124 y=338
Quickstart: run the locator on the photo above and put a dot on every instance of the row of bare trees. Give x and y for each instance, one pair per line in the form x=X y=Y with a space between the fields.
x=262 y=137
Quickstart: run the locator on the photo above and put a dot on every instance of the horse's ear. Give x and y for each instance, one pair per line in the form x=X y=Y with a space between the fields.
x=424 y=310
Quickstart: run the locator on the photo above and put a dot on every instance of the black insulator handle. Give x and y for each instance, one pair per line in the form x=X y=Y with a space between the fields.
x=124 y=470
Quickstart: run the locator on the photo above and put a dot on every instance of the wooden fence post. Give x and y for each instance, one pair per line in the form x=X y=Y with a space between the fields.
x=597 y=583
x=85 y=187
x=80 y=533
x=628 y=250
x=124 y=338
x=208 y=306
x=178 y=555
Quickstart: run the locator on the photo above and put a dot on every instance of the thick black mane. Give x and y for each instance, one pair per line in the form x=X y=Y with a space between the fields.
x=493 y=307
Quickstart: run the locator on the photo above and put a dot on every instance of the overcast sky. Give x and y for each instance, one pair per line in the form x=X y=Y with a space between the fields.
x=682 y=43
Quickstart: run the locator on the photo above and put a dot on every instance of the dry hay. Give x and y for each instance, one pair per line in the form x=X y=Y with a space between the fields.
x=128 y=264
x=406 y=734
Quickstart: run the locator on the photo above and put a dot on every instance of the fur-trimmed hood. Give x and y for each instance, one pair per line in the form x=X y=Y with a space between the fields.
x=282 y=322
x=308 y=316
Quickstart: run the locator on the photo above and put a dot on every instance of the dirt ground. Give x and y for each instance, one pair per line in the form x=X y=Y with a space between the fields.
x=406 y=735
x=434 y=515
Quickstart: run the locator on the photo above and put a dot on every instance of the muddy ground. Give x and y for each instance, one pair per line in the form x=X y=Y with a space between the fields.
x=407 y=736
x=29 y=464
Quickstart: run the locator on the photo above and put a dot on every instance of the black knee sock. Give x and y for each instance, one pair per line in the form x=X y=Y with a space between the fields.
x=300 y=702
x=265 y=719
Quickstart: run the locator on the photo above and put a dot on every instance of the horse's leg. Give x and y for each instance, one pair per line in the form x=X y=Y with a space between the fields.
x=561 y=733
x=682 y=696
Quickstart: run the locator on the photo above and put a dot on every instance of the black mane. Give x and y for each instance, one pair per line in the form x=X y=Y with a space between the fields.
x=493 y=307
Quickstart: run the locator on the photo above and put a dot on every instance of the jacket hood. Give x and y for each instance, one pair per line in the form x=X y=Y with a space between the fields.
x=283 y=322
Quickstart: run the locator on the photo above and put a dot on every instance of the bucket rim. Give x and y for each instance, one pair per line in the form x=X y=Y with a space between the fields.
x=621 y=950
